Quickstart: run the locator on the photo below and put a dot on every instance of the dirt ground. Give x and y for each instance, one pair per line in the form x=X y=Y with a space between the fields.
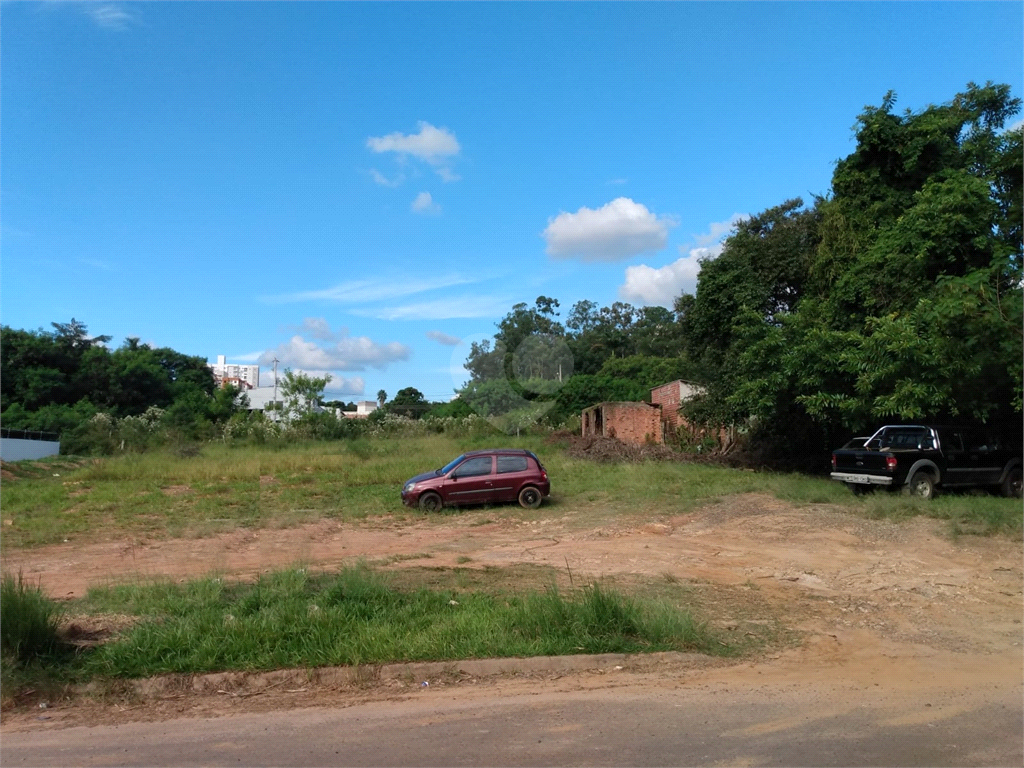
x=904 y=603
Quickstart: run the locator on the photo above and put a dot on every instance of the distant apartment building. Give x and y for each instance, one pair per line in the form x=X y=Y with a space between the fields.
x=242 y=376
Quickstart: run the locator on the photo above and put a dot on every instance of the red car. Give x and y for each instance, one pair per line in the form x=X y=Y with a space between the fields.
x=481 y=477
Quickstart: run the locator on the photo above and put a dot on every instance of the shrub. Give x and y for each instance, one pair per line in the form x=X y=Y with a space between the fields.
x=246 y=428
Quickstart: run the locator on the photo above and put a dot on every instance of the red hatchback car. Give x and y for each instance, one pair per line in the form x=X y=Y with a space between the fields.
x=481 y=477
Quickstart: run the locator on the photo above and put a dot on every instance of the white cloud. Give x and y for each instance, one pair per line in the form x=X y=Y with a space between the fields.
x=717 y=230
x=616 y=231
x=338 y=385
x=432 y=145
x=424 y=203
x=384 y=181
x=341 y=352
x=320 y=329
x=108 y=15
x=443 y=338
x=355 y=291
x=447 y=175
x=649 y=286
x=441 y=309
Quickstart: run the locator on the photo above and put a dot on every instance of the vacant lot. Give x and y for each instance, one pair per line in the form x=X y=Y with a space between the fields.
x=793 y=572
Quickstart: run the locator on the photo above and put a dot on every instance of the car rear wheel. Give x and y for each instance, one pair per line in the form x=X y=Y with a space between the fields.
x=430 y=502
x=529 y=498
x=922 y=486
x=1013 y=484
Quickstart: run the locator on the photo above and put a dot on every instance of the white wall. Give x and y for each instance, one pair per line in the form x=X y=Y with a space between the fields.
x=13 y=449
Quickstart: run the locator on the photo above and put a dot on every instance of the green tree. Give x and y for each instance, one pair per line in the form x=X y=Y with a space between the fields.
x=302 y=392
x=409 y=402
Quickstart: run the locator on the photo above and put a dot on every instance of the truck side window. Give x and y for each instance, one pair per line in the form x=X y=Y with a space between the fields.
x=976 y=441
x=950 y=440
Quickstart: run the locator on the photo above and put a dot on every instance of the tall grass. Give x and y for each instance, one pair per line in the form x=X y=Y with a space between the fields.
x=29 y=620
x=293 y=619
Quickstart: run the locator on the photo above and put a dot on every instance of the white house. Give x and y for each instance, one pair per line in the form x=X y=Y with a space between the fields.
x=261 y=397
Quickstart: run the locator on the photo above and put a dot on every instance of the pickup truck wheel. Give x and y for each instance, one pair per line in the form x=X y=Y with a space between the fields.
x=1012 y=485
x=921 y=485
x=529 y=497
x=430 y=502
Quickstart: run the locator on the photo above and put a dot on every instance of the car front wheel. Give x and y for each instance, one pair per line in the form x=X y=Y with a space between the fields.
x=430 y=502
x=529 y=498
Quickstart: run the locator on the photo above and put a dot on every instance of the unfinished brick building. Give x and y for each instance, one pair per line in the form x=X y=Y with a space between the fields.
x=669 y=396
x=637 y=423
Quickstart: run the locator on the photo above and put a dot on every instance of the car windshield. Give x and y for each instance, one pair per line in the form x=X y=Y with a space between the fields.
x=450 y=465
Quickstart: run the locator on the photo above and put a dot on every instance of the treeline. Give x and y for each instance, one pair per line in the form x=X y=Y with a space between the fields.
x=59 y=380
x=897 y=296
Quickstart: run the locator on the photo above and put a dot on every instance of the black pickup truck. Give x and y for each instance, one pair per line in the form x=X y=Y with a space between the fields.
x=920 y=459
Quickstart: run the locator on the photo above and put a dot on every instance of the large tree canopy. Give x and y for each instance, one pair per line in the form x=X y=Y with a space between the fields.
x=898 y=297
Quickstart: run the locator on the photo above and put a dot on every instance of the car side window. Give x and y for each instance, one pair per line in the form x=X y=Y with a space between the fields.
x=480 y=465
x=511 y=464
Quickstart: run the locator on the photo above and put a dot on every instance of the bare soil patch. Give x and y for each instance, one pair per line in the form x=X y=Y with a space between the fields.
x=895 y=599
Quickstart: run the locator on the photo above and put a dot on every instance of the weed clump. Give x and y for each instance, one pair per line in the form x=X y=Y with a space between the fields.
x=29 y=620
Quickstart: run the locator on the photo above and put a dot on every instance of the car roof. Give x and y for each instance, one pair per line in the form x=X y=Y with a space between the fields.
x=502 y=451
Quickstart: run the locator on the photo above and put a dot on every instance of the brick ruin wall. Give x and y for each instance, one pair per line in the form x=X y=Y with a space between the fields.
x=667 y=396
x=636 y=423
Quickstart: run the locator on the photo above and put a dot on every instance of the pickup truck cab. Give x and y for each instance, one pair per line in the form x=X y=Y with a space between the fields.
x=921 y=458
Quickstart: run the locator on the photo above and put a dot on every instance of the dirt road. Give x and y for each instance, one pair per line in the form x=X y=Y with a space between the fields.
x=910 y=647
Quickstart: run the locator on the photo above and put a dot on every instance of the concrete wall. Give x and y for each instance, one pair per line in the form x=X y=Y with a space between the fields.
x=637 y=423
x=13 y=449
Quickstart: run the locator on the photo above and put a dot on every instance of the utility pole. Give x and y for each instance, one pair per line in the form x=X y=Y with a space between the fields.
x=275 y=361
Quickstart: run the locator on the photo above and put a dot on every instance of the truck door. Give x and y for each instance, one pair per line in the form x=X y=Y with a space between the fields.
x=985 y=459
x=957 y=464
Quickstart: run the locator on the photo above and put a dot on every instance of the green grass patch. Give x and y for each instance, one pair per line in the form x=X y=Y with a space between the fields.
x=159 y=494
x=360 y=616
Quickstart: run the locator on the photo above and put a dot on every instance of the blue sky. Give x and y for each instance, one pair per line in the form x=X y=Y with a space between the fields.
x=363 y=189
